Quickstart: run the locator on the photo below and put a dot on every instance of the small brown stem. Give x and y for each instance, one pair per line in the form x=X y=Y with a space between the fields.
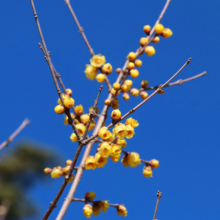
x=159 y=195
x=16 y=132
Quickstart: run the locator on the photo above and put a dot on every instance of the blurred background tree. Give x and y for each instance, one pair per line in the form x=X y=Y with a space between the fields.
x=20 y=168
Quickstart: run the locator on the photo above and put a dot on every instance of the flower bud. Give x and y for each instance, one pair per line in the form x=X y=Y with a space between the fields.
x=128 y=82
x=147 y=29
x=107 y=68
x=118 y=70
x=87 y=210
x=92 y=125
x=68 y=102
x=156 y=39
x=114 y=92
x=138 y=63
x=167 y=33
x=144 y=84
x=69 y=92
x=71 y=178
x=143 y=41
x=144 y=95
x=115 y=106
x=73 y=137
x=68 y=162
x=96 y=208
x=107 y=102
x=161 y=91
x=121 y=142
x=97 y=60
x=131 y=65
x=78 y=110
x=159 y=28
x=59 y=109
x=90 y=196
x=66 y=170
x=147 y=171
x=90 y=163
x=122 y=211
x=134 y=73
x=124 y=161
x=104 y=205
x=131 y=56
x=90 y=72
x=64 y=96
x=115 y=101
x=48 y=170
x=116 y=86
x=56 y=173
x=149 y=50
x=154 y=163
x=100 y=77
x=84 y=119
x=134 y=92
x=125 y=88
x=126 y=96
x=116 y=114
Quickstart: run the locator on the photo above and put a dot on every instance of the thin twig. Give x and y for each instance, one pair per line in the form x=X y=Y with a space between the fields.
x=16 y=132
x=159 y=195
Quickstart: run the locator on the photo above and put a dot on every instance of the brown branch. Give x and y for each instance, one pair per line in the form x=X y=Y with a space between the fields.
x=178 y=82
x=16 y=132
x=159 y=195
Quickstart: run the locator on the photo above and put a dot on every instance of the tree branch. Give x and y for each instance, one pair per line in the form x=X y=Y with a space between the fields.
x=159 y=195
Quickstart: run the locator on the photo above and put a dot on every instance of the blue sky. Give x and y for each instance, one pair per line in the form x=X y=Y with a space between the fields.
x=179 y=128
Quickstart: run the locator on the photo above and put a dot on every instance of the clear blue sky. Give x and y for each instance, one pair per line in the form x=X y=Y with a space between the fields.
x=179 y=128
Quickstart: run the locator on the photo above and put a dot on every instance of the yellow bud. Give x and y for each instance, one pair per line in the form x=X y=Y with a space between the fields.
x=125 y=88
x=84 y=118
x=104 y=205
x=132 y=122
x=90 y=163
x=144 y=84
x=107 y=102
x=90 y=72
x=87 y=210
x=122 y=211
x=68 y=102
x=116 y=86
x=147 y=171
x=100 y=77
x=64 y=96
x=97 y=60
x=126 y=96
x=134 y=73
x=116 y=114
x=66 y=170
x=147 y=29
x=48 y=170
x=78 y=110
x=115 y=106
x=56 y=173
x=134 y=92
x=131 y=65
x=100 y=160
x=114 y=92
x=73 y=137
x=154 y=163
x=156 y=40
x=161 y=91
x=128 y=83
x=96 y=209
x=59 y=109
x=118 y=70
x=81 y=128
x=159 y=28
x=92 y=125
x=115 y=101
x=121 y=142
x=167 y=33
x=69 y=92
x=66 y=119
x=144 y=95
x=71 y=178
x=149 y=50
x=68 y=162
x=138 y=63
x=90 y=196
x=143 y=41
x=107 y=68
x=131 y=56
x=124 y=160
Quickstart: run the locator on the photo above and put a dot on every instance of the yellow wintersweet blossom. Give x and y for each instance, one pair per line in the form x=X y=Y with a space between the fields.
x=87 y=210
x=105 y=149
x=90 y=163
x=116 y=114
x=59 y=109
x=104 y=133
x=124 y=160
x=73 y=137
x=147 y=171
x=100 y=160
x=97 y=60
x=84 y=118
x=134 y=159
x=68 y=102
x=90 y=196
x=121 y=142
x=115 y=153
x=81 y=128
x=130 y=131
x=122 y=211
x=104 y=205
x=154 y=163
x=90 y=72
x=64 y=97
x=120 y=130
x=132 y=122
x=107 y=68
x=96 y=209
x=66 y=170
x=110 y=138
x=57 y=172
x=78 y=110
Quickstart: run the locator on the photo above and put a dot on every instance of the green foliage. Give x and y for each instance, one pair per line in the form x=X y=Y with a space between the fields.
x=20 y=169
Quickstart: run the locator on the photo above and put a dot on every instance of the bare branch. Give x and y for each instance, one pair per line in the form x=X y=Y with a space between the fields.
x=159 y=195
x=16 y=132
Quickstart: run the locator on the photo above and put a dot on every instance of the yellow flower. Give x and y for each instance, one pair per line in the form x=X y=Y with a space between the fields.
x=167 y=33
x=124 y=160
x=125 y=88
x=104 y=133
x=149 y=50
x=134 y=159
x=68 y=162
x=59 y=109
x=107 y=69
x=105 y=149
x=68 y=102
x=116 y=114
x=73 y=137
x=144 y=95
x=130 y=131
x=111 y=137
x=71 y=178
x=115 y=153
x=134 y=92
x=116 y=86
x=147 y=171
x=48 y=170
x=132 y=122
x=144 y=84
x=104 y=205
x=90 y=163
x=147 y=29
x=134 y=73
x=128 y=82
x=100 y=77
x=97 y=60
x=87 y=210
x=131 y=65
x=154 y=163
x=96 y=208
x=122 y=211
x=64 y=97
x=92 y=125
x=81 y=128
x=90 y=196
x=156 y=40
x=84 y=118
x=138 y=63
x=143 y=41
x=121 y=142
x=69 y=92
x=120 y=130
x=90 y=72
x=78 y=110
x=66 y=170
x=57 y=172
x=159 y=28
x=100 y=160
x=126 y=96
x=131 y=56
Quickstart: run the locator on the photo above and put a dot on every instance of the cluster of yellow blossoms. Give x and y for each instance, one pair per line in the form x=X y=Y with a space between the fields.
x=59 y=171
x=98 y=62
x=97 y=206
